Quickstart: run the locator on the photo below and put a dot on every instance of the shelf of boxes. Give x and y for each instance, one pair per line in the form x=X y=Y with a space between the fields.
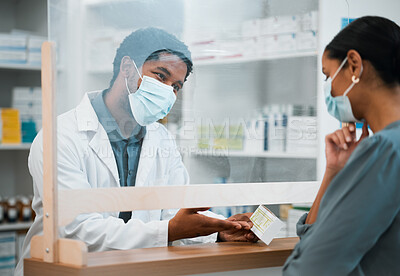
x=23 y=146
x=242 y=59
x=231 y=153
x=15 y=226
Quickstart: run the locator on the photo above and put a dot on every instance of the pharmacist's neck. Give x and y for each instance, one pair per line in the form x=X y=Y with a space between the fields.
x=384 y=108
x=117 y=102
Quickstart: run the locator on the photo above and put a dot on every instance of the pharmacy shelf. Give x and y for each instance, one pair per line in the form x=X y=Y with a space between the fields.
x=23 y=146
x=103 y=2
x=28 y=67
x=253 y=59
x=233 y=153
x=223 y=61
x=15 y=226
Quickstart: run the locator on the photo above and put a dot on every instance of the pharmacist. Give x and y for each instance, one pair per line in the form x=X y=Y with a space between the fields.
x=111 y=139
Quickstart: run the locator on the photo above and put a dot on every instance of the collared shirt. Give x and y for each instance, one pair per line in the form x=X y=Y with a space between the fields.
x=357 y=231
x=126 y=150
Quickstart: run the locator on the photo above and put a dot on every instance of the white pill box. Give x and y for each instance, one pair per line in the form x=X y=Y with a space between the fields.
x=265 y=224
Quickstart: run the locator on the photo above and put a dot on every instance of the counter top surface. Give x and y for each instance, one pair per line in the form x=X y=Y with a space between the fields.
x=174 y=260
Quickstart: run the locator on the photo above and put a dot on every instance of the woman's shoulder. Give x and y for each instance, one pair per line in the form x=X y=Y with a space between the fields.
x=381 y=149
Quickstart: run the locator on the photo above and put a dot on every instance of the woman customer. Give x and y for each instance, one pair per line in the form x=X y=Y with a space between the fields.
x=353 y=227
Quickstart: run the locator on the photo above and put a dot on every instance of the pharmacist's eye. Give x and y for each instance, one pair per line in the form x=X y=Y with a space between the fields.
x=160 y=76
x=176 y=87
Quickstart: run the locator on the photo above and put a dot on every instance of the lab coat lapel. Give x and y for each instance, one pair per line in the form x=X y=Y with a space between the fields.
x=148 y=155
x=100 y=144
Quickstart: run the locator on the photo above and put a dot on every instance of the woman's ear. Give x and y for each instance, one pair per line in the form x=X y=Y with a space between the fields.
x=355 y=63
x=126 y=67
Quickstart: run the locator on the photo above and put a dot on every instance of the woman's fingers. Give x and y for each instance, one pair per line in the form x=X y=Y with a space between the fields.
x=365 y=132
x=333 y=139
x=343 y=144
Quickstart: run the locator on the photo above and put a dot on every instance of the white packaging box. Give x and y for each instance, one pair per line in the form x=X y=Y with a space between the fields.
x=251 y=28
x=21 y=94
x=28 y=109
x=279 y=25
x=286 y=43
x=12 y=42
x=302 y=134
x=268 y=45
x=17 y=56
x=308 y=21
x=204 y=50
x=26 y=95
x=34 y=58
x=37 y=94
x=306 y=41
x=7 y=244
x=251 y=47
x=7 y=253
x=34 y=43
x=274 y=44
x=266 y=225
x=230 y=48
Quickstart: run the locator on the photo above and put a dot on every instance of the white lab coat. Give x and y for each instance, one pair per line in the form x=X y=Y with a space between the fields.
x=86 y=160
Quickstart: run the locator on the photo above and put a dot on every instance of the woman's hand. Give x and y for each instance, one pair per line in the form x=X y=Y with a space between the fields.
x=340 y=145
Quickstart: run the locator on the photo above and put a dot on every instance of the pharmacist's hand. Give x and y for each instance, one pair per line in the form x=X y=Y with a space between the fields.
x=188 y=223
x=239 y=235
x=340 y=145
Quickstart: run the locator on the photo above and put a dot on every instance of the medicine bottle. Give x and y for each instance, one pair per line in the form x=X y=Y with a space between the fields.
x=12 y=211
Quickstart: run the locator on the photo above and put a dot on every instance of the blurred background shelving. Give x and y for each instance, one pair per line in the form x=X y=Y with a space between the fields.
x=24 y=19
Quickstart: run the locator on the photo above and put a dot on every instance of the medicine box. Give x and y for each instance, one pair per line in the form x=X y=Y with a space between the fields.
x=7 y=253
x=302 y=135
x=10 y=126
x=18 y=57
x=266 y=225
x=308 y=21
x=279 y=25
x=9 y=42
x=34 y=43
x=251 y=28
x=306 y=40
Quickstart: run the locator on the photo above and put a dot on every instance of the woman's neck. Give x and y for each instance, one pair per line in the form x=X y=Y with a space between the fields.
x=384 y=108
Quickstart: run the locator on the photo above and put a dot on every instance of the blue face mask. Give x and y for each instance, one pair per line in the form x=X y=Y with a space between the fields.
x=152 y=101
x=340 y=107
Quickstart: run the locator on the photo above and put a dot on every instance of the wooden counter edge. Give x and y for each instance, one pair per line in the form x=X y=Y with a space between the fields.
x=178 y=260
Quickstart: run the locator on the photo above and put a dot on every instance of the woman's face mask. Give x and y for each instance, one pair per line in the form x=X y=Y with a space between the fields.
x=340 y=106
x=152 y=101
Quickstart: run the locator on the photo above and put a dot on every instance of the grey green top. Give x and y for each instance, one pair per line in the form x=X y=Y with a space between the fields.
x=357 y=231
x=126 y=150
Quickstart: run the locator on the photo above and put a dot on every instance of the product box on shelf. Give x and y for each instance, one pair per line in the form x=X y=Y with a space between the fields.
x=279 y=25
x=34 y=43
x=7 y=253
x=306 y=40
x=28 y=100
x=308 y=21
x=13 y=57
x=302 y=134
x=230 y=48
x=251 y=46
x=10 y=126
x=13 y=48
x=10 y=42
x=251 y=28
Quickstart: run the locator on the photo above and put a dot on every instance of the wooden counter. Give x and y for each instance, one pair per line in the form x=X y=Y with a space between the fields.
x=174 y=260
